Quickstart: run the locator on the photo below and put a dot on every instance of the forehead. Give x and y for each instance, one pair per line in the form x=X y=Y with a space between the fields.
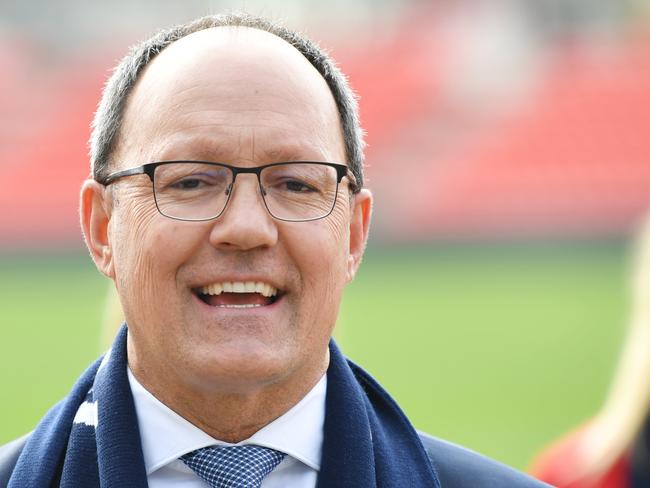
x=231 y=85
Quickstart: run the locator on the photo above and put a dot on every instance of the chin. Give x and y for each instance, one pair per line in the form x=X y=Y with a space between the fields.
x=242 y=368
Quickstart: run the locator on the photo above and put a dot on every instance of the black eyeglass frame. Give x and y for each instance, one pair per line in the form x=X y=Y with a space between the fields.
x=149 y=169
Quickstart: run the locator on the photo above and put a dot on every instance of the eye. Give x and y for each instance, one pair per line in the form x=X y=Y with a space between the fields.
x=292 y=180
x=207 y=180
x=187 y=184
x=297 y=186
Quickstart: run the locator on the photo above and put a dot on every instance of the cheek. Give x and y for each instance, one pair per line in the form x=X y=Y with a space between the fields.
x=148 y=250
x=134 y=267
x=322 y=250
x=337 y=238
x=338 y=222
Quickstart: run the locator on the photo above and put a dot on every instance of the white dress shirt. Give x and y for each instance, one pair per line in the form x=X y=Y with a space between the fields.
x=166 y=436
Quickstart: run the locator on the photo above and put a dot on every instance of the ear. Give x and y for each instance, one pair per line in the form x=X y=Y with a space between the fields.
x=95 y=210
x=359 y=224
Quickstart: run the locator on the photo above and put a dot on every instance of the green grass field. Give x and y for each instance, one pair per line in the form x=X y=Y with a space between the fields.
x=500 y=349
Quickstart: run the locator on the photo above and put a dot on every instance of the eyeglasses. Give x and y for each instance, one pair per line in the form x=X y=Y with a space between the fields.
x=295 y=191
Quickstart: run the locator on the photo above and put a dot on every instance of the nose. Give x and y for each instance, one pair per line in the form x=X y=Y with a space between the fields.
x=245 y=223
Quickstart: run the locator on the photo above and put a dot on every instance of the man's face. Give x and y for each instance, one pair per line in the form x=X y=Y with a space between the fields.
x=245 y=98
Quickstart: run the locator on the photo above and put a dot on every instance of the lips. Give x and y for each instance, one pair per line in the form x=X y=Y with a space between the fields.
x=238 y=294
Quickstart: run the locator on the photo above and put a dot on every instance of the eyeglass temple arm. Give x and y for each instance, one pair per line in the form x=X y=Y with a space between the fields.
x=128 y=172
x=353 y=180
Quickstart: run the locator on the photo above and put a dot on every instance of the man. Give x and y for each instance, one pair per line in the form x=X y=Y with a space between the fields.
x=227 y=205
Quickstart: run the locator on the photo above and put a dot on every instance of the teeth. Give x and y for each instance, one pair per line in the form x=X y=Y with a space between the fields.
x=247 y=305
x=240 y=287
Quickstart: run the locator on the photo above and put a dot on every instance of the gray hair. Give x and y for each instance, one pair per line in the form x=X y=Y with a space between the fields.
x=110 y=111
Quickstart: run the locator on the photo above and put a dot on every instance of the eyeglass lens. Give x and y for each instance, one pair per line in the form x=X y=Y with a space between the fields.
x=200 y=191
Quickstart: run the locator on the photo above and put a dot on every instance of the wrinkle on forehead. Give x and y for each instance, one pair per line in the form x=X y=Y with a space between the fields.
x=243 y=150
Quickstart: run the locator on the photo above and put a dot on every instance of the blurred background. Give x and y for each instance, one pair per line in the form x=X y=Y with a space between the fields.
x=508 y=145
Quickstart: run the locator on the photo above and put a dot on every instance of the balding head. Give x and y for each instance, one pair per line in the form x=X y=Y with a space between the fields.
x=222 y=79
x=108 y=122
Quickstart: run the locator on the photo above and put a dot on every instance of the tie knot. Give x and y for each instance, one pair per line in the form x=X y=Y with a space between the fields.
x=233 y=466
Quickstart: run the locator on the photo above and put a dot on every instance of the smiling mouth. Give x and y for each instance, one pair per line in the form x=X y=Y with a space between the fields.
x=238 y=294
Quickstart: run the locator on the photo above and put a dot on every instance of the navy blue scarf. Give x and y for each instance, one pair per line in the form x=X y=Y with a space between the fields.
x=91 y=438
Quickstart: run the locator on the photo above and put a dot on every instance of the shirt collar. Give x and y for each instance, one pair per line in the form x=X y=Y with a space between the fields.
x=166 y=436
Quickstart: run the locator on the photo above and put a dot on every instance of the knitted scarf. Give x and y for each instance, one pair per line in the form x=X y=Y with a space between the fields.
x=91 y=438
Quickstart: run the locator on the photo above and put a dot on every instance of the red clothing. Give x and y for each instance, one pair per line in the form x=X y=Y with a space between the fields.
x=559 y=461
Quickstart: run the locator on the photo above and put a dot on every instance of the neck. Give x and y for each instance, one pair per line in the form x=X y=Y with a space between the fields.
x=229 y=414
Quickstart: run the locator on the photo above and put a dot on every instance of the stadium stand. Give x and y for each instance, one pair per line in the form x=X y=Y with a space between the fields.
x=568 y=162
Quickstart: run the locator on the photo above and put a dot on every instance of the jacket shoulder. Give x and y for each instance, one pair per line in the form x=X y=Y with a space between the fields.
x=458 y=467
x=9 y=456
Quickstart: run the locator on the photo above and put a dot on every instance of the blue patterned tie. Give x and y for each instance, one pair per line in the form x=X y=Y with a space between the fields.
x=233 y=466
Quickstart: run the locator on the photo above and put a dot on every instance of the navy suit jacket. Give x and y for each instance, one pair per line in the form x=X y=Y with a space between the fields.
x=368 y=441
x=457 y=467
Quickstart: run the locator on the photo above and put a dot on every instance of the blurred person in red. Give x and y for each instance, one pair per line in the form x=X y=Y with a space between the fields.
x=612 y=450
